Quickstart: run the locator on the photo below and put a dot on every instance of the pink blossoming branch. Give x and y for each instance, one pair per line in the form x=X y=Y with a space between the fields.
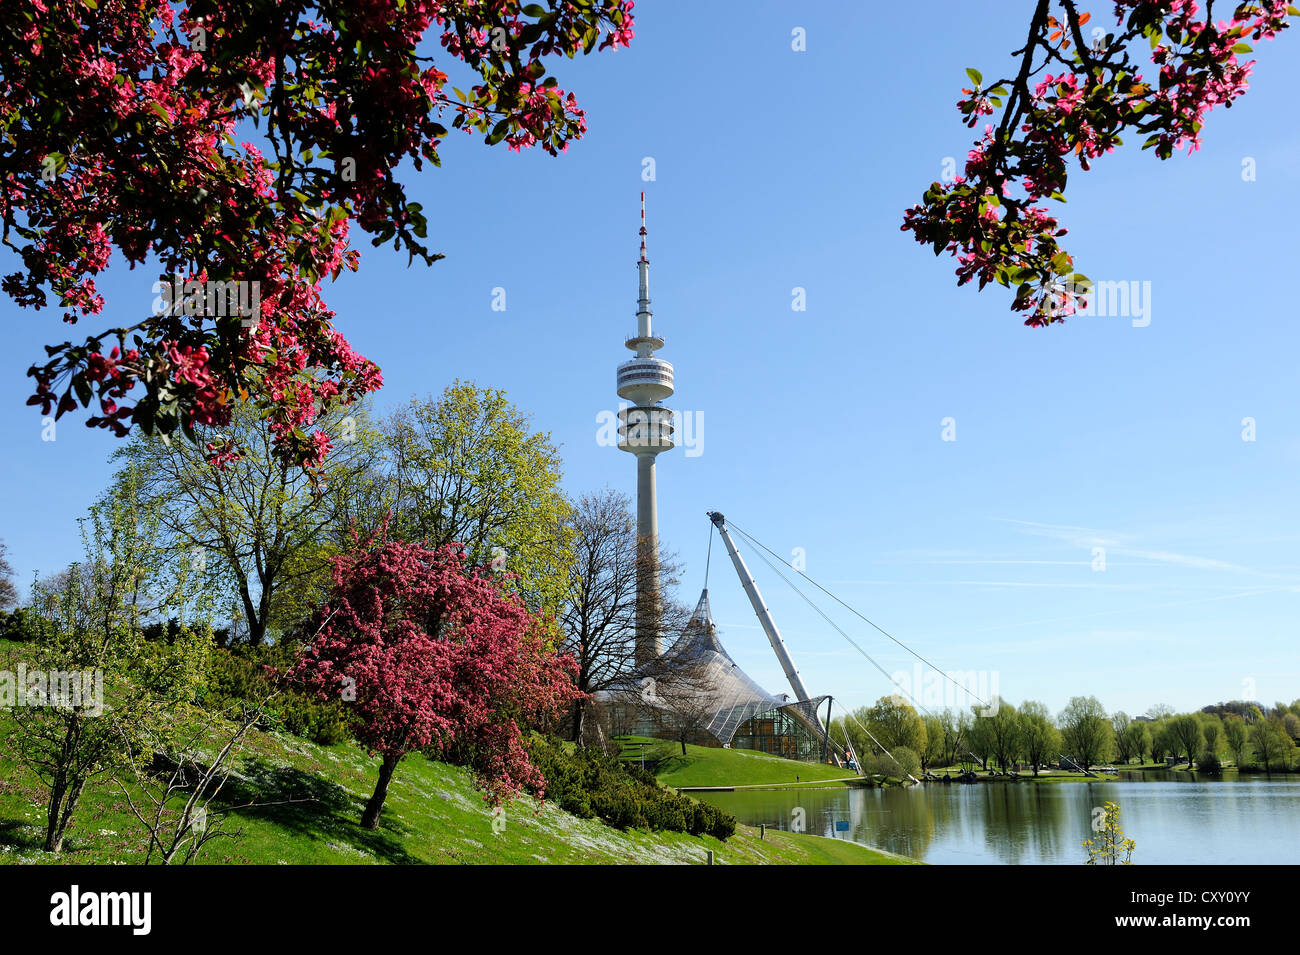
x=127 y=126
x=1072 y=97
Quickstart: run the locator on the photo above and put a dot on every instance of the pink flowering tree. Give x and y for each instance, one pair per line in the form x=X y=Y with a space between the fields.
x=235 y=143
x=431 y=654
x=1078 y=90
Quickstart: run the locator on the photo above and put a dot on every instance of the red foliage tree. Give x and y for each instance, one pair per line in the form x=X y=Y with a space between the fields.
x=432 y=654
x=1093 y=92
x=236 y=141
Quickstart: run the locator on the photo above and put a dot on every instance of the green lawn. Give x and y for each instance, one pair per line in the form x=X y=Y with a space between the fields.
x=433 y=815
x=708 y=766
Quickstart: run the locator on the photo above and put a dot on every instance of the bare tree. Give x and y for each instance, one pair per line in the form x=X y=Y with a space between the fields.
x=599 y=617
x=177 y=833
x=8 y=592
x=679 y=693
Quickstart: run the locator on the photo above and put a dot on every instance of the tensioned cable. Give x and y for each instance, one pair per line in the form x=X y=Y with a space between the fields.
x=840 y=630
x=882 y=746
x=759 y=544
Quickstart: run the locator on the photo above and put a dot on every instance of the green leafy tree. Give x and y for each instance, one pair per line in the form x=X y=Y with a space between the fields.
x=955 y=724
x=260 y=530
x=1212 y=729
x=1185 y=731
x=467 y=468
x=1086 y=731
x=934 y=743
x=1291 y=723
x=1273 y=748
x=1139 y=739
x=900 y=761
x=1163 y=743
x=1121 y=722
x=1235 y=735
x=1041 y=741
x=979 y=738
x=117 y=689
x=894 y=723
x=1004 y=732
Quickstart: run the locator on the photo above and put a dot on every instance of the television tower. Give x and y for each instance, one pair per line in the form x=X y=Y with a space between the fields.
x=646 y=430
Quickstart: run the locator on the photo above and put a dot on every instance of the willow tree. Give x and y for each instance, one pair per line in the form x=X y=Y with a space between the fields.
x=1040 y=739
x=1086 y=731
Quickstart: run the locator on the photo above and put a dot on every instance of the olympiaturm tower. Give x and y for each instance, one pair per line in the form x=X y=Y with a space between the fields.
x=646 y=430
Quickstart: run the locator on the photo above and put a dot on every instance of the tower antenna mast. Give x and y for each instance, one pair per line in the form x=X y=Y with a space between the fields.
x=645 y=429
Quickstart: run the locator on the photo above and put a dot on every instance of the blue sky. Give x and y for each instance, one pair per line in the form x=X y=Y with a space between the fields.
x=822 y=429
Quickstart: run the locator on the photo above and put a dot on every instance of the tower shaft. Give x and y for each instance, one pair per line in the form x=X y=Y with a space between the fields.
x=649 y=631
x=646 y=430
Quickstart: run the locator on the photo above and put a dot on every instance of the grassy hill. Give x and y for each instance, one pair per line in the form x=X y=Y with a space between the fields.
x=707 y=766
x=433 y=815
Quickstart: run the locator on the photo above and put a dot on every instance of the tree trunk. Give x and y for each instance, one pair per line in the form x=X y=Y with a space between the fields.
x=577 y=722
x=256 y=621
x=61 y=815
x=683 y=741
x=370 y=818
x=53 y=838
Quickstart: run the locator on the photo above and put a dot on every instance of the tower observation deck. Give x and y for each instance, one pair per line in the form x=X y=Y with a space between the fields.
x=645 y=429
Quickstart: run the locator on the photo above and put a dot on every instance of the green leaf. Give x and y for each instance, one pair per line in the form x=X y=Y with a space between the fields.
x=161 y=111
x=1242 y=48
x=975 y=75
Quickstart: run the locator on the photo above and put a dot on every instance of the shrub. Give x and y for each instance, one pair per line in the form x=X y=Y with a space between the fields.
x=588 y=783
x=238 y=675
x=1209 y=763
x=903 y=762
x=17 y=625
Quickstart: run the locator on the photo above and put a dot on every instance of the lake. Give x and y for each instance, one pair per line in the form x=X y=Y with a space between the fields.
x=1174 y=819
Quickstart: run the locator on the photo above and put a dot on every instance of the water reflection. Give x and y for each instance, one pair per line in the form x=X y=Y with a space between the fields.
x=1175 y=819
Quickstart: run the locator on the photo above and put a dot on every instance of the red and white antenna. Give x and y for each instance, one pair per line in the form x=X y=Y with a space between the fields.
x=643 y=258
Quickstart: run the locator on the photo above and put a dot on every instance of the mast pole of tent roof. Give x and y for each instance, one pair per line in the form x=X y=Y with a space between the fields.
x=764 y=616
